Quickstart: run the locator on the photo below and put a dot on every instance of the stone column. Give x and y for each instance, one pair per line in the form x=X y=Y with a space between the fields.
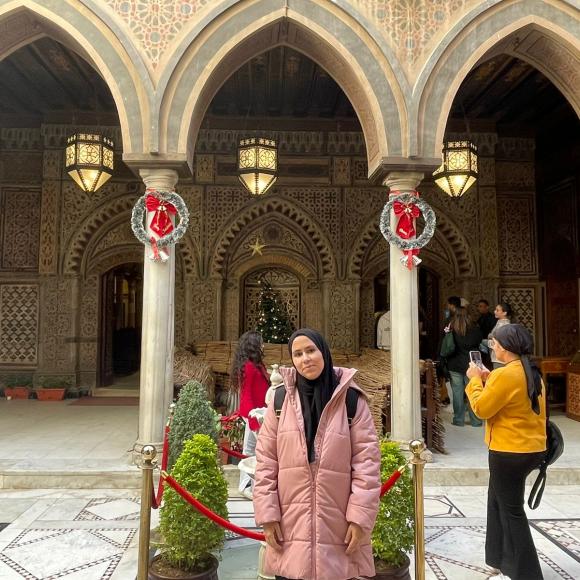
x=404 y=300
x=156 y=387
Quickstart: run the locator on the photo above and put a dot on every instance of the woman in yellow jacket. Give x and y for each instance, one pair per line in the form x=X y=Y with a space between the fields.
x=512 y=401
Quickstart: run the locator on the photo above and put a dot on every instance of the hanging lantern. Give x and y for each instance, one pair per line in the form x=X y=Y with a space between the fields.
x=257 y=164
x=89 y=160
x=458 y=171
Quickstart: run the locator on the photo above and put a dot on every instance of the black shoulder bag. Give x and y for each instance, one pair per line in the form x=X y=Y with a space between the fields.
x=554 y=448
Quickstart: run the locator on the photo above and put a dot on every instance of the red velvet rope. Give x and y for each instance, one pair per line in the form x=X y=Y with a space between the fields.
x=233 y=453
x=390 y=482
x=208 y=513
x=156 y=498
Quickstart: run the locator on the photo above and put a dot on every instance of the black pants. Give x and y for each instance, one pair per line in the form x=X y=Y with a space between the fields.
x=508 y=544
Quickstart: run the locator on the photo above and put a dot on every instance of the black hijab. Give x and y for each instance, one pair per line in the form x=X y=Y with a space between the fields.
x=516 y=338
x=316 y=393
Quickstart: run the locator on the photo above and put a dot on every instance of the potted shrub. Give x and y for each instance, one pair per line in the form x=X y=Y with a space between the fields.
x=393 y=534
x=193 y=414
x=189 y=538
x=53 y=388
x=17 y=386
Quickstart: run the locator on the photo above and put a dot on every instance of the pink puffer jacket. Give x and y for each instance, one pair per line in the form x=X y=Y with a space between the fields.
x=315 y=502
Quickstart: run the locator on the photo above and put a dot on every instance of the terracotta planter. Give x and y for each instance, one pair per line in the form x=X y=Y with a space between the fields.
x=158 y=570
x=224 y=457
x=386 y=572
x=50 y=394
x=17 y=392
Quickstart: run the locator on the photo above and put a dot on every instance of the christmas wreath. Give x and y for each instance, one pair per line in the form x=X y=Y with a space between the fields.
x=163 y=204
x=407 y=207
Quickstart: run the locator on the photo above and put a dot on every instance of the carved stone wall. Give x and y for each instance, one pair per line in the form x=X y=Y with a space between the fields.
x=19 y=306
x=324 y=231
x=524 y=303
x=20 y=215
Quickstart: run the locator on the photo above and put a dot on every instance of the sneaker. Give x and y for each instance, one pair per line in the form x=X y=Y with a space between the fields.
x=247 y=493
x=499 y=576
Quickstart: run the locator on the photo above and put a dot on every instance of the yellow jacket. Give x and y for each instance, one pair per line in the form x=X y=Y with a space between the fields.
x=511 y=425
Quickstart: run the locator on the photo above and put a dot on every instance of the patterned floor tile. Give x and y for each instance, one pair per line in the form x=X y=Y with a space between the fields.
x=111 y=509
x=563 y=533
x=67 y=553
x=440 y=506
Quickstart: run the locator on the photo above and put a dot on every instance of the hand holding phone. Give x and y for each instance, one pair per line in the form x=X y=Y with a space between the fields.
x=475 y=358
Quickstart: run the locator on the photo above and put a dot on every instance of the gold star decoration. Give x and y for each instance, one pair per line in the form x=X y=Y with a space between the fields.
x=257 y=246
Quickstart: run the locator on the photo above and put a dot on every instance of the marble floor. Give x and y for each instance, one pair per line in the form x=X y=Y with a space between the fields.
x=68 y=440
x=92 y=534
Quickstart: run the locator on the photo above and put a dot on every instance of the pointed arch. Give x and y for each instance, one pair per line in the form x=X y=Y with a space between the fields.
x=100 y=221
x=456 y=246
x=287 y=210
x=320 y=30
x=83 y=32
x=541 y=33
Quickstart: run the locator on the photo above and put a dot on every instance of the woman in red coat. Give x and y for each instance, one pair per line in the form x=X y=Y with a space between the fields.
x=250 y=380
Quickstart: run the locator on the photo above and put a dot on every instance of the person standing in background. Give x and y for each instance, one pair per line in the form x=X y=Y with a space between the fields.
x=503 y=313
x=249 y=379
x=466 y=336
x=486 y=320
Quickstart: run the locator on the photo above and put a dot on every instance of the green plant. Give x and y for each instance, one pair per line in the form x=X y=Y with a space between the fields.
x=193 y=414
x=54 y=383
x=393 y=534
x=18 y=381
x=188 y=536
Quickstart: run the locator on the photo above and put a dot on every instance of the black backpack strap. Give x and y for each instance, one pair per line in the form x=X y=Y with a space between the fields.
x=279 y=396
x=351 y=404
x=538 y=488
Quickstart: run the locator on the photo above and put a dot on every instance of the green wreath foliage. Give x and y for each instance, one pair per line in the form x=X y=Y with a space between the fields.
x=189 y=537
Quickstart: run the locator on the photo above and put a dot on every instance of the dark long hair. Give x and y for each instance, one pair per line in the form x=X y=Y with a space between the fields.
x=507 y=309
x=461 y=321
x=249 y=348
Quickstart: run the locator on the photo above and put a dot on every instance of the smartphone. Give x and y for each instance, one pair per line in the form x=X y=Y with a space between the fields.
x=475 y=357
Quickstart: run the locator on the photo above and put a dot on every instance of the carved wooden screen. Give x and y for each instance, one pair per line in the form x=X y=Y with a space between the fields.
x=285 y=283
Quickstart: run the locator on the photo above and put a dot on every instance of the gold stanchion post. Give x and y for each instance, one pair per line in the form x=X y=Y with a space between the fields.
x=417 y=447
x=148 y=460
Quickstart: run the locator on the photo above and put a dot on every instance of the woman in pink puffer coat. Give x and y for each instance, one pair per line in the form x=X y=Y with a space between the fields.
x=317 y=480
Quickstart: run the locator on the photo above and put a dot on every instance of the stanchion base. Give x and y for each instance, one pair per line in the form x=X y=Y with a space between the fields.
x=156 y=574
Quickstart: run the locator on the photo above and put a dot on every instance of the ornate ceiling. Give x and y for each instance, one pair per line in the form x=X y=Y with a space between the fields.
x=45 y=79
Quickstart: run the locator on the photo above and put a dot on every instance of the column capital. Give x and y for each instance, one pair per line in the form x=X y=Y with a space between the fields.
x=403 y=181
x=163 y=179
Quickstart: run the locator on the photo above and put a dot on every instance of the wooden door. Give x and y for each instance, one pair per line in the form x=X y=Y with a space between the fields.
x=106 y=376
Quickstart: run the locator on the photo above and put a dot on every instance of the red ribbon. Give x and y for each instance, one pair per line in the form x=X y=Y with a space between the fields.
x=211 y=515
x=156 y=499
x=407 y=214
x=409 y=257
x=233 y=453
x=390 y=482
x=161 y=223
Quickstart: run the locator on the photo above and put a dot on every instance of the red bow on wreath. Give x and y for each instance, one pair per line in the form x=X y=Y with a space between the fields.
x=407 y=214
x=161 y=223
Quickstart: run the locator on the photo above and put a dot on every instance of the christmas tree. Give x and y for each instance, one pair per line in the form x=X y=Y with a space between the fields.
x=274 y=321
